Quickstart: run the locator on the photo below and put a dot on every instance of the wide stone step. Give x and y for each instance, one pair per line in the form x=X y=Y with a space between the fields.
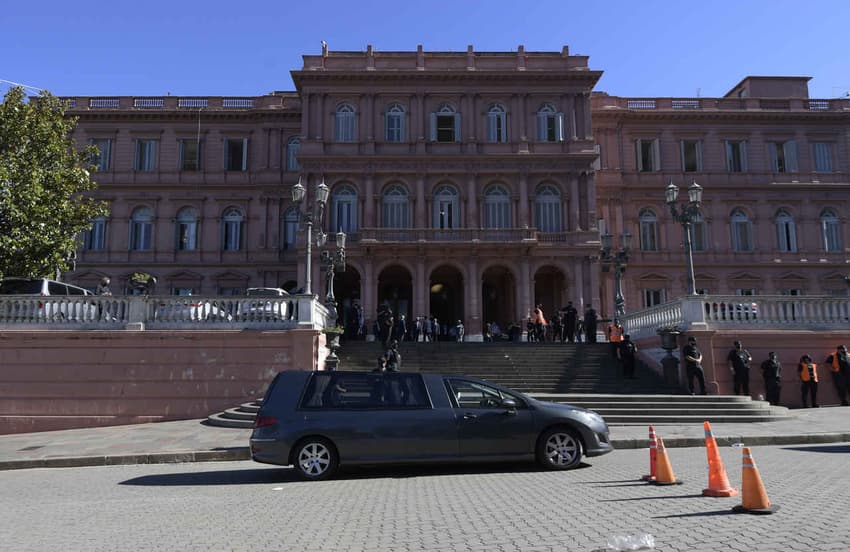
x=219 y=420
x=690 y=419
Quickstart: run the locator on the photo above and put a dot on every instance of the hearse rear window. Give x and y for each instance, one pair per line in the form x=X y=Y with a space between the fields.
x=353 y=390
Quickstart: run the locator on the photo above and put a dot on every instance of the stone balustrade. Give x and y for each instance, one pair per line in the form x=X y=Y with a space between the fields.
x=161 y=312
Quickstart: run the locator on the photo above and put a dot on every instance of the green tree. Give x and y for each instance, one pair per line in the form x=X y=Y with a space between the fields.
x=44 y=186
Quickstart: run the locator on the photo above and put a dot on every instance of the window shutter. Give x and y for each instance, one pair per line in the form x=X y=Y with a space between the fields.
x=638 y=156
x=682 y=158
x=503 y=127
x=774 y=157
x=790 y=148
x=744 y=165
x=433 y=123
x=541 y=127
x=729 y=163
x=792 y=237
x=402 y=123
x=699 y=156
x=656 y=156
x=136 y=156
x=244 y=154
x=457 y=128
x=559 y=127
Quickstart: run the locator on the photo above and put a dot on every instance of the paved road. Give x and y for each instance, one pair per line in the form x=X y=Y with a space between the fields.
x=248 y=506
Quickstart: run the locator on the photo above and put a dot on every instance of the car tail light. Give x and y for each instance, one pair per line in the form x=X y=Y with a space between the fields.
x=263 y=421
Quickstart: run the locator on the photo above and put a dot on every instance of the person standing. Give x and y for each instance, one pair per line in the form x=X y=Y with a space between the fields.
x=839 y=366
x=435 y=329
x=393 y=357
x=615 y=336
x=570 y=320
x=739 y=363
x=558 y=327
x=590 y=320
x=428 y=328
x=627 y=353
x=459 y=331
x=808 y=371
x=771 y=371
x=693 y=365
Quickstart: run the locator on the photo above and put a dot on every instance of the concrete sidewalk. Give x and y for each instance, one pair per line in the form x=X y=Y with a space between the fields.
x=192 y=441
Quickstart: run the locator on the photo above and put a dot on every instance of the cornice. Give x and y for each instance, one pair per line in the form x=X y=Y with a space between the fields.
x=300 y=78
x=622 y=115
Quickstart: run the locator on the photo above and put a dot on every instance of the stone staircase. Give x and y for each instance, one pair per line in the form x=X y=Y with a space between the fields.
x=581 y=374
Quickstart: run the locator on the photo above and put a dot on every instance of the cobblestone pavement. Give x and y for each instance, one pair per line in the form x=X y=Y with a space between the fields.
x=248 y=506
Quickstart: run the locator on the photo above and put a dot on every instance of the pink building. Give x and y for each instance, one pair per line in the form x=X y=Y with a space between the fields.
x=471 y=185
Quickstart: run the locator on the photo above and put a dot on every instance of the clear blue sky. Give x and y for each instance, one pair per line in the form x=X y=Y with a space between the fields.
x=645 y=47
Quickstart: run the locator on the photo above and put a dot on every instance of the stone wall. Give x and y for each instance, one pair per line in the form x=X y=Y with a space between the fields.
x=53 y=380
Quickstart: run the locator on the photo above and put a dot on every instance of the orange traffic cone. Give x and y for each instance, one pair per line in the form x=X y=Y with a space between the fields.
x=663 y=471
x=718 y=482
x=753 y=496
x=653 y=453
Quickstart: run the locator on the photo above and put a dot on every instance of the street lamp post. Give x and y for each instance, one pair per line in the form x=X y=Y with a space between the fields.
x=618 y=260
x=306 y=215
x=686 y=214
x=333 y=261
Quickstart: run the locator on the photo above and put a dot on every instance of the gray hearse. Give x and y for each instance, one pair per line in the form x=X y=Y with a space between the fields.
x=318 y=421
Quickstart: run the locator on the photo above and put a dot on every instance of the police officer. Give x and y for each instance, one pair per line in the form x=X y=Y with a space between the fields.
x=808 y=371
x=771 y=372
x=739 y=363
x=693 y=365
x=839 y=365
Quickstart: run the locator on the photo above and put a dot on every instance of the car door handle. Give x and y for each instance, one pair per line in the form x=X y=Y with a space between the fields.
x=469 y=416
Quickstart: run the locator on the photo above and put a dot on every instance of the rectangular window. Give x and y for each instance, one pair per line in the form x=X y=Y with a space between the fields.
x=550 y=127
x=497 y=214
x=831 y=235
x=395 y=214
x=103 y=159
x=652 y=297
x=183 y=291
x=187 y=238
x=691 y=156
x=736 y=156
x=823 y=156
x=648 y=235
x=783 y=156
x=496 y=131
x=232 y=238
x=190 y=155
x=141 y=236
x=395 y=127
x=745 y=291
x=230 y=291
x=344 y=126
x=699 y=236
x=236 y=154
x=648 y=155
x=446 y=128
x=742 y=239
x=146 y=155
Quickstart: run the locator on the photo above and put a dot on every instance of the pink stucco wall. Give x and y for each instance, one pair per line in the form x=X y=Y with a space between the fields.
x=65 y=379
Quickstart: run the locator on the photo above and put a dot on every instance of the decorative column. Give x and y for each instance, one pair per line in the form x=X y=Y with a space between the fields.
x=368 y=298
x=472 y=203
x=523 y=200
x=575 y=203
x=419 y=217
x=473 y=320
x=369 y=206
x=420 y=289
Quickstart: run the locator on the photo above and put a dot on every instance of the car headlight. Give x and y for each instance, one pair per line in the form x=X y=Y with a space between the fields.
x=590 y=417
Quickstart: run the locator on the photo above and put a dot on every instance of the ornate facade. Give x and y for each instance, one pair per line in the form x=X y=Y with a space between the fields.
x=471 y=185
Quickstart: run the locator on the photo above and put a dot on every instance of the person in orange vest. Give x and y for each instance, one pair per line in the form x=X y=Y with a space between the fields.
x=615 y=335
x=839 y=365
x=809 y=380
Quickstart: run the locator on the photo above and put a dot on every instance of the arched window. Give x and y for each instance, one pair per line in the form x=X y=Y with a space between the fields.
x=547 y=207
x=742 y=231
x=231 y=227
x=550 y=124
x=293 y=148
x=648 y=230
x=831 y=231
x=496 y=128
x=344 y=123
x=141 y=229
x=394 y=208
x=186 y=229
x=94 y=239
x=446 y=208
x=290 y=228
x=394 y=122
x=786 y=232
x=497 y=207
x=344 y=210
x=445 y=124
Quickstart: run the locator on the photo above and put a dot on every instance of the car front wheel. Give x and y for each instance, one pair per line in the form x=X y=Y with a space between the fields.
x=315 y=459
x=559 y=449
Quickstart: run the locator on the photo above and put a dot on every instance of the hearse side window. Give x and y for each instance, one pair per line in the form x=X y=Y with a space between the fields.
x=353 y=390
x=469 y=394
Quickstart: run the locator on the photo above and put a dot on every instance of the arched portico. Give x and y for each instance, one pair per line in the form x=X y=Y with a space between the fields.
x=549 y=289
x=498 y=302
x=395 y=288
x=347 y=293
x=446 y=296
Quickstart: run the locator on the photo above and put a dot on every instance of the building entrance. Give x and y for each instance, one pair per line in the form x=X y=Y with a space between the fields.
x=347 y=293
x=498 y=297
x=550 y=290
x=446 y=298
x=395 y=289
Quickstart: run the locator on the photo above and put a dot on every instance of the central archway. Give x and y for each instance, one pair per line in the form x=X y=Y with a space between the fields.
x=395 y=289
x=446 y=298
x=549 y=286
x=347 y=293
x=498 y=301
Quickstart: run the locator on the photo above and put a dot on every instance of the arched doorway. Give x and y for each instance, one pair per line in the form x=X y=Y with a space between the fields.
x=395 y=289
x=549 y=286
x=498 y=297
x=347 y=293
x=446 y=298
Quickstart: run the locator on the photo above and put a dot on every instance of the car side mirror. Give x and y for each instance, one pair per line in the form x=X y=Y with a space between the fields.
x=510 y=405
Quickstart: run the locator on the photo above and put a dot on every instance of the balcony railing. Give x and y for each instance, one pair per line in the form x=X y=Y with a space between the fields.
x=456 y=235
x=726 y=104
x=160 y=312
x=711 y=312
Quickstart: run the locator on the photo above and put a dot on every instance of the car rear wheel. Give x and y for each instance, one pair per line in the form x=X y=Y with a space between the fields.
x=315 y=459
x=559 y=449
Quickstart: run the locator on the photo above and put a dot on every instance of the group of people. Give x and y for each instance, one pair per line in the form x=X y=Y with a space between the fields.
x=388 y=328
x=565 y=326
x=739 y=360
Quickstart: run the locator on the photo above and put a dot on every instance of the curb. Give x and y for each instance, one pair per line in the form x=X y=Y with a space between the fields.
x=244 y=453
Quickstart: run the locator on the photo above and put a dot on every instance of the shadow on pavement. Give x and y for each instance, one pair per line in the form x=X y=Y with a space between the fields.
x=821 y=448
x=287 y=475
x=659 y=497
x=728 y=512
x=223 y=477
